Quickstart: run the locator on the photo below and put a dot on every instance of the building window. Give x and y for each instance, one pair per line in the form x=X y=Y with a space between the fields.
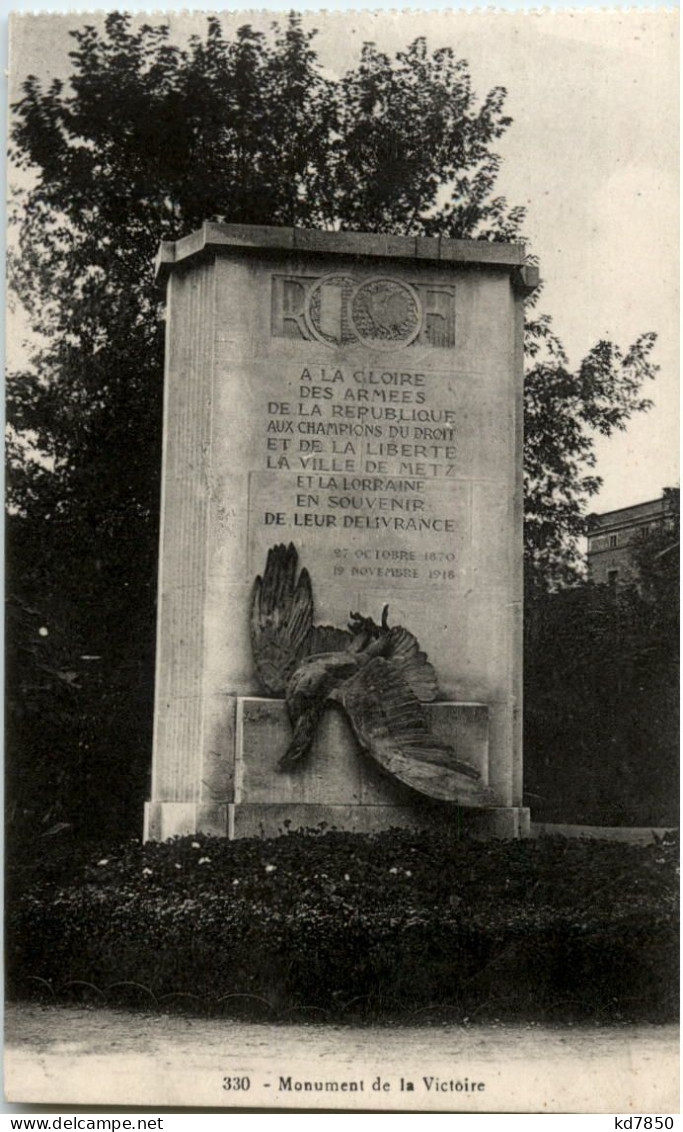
x=612 y=540
x=612 y=576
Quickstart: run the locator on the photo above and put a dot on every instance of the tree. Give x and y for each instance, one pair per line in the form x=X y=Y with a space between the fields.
x=145 y=142
x=602 y=687
x=564 y=410
x=657 y=556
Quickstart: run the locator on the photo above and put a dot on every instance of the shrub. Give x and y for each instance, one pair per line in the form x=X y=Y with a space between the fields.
x=354 y=925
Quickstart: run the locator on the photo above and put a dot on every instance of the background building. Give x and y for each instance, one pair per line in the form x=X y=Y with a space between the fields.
x=615 y=537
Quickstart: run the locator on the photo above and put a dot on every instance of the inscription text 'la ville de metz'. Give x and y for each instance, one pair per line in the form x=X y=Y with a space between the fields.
x=369 y=441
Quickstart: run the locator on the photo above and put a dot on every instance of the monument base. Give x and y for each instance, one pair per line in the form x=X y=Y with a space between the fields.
x=338 y=787
x=271 y=820
x=164 y=820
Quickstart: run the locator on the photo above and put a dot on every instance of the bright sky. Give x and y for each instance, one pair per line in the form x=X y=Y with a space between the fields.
x=592 y=154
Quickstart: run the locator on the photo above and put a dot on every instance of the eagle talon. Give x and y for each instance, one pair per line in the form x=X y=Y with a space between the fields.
x=359 y=624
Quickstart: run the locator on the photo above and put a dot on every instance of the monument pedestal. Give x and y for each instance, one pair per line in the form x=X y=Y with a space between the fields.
x=164 y=820
x=339 y=787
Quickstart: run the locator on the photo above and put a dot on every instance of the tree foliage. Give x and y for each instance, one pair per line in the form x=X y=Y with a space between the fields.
x=657 y=555
x=564 y=411
x=145 y=141
x=602 y=688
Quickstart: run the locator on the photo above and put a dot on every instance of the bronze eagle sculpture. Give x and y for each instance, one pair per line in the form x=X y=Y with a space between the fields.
x=377 y=674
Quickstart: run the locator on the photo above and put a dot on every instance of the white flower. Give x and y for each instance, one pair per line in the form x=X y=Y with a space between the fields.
x=235 y=882
x=196 y=845
x=408 y=873
x=204 y=860
x=178 y=866
x=104 y=861
x=271 y=868
x=346 y=876
x=146 y=872
x=393 y=871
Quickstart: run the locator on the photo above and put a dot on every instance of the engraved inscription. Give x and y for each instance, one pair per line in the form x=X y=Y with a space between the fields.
x=362 y=450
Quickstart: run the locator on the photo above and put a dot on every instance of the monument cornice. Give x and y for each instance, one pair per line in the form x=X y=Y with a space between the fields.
x=222 y=239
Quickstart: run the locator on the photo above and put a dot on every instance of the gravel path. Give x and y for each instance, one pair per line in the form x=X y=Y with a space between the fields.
x=95 y=1056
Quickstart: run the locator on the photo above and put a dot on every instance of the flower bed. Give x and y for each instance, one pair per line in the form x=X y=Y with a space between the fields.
x=348 y=925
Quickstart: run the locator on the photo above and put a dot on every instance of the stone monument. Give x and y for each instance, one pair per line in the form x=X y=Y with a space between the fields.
x=358 y=396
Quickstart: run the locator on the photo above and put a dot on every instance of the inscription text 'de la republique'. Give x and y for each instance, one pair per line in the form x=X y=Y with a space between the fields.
x=363 y=449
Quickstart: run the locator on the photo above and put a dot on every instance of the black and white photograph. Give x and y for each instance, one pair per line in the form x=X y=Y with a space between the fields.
x=342 y=562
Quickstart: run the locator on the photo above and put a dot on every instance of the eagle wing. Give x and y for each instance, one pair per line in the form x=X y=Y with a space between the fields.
x=281 y=618
x=406 y=655
x=326 y=638
x=390 y=725
x=282 y=629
